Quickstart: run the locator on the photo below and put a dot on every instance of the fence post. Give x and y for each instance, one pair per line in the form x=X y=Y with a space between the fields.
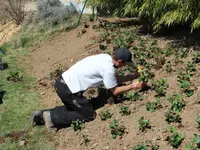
x=79 y=19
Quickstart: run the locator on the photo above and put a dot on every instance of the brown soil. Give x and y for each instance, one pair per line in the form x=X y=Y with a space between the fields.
x=67 y=48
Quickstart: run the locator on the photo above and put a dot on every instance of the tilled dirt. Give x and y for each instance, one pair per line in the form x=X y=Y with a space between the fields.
x=66 y=49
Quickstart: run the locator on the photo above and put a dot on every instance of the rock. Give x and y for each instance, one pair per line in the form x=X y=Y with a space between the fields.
x=42 y=93
x=107 y=147
x=22 y=143
x=94 y=145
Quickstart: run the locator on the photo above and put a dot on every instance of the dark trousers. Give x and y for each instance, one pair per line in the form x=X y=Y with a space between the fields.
x=75 y=106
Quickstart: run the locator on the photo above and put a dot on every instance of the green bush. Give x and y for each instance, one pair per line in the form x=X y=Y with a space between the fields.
x=157 y=13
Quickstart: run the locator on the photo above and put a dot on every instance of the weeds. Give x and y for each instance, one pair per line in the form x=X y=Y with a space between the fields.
x=124 y=111
x=15 y=76
x=116 y=129
x=78 y=125
x=105 y=115
x=175 y=139
x=143 y=124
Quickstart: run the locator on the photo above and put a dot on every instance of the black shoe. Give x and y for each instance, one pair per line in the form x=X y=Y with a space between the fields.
x=37 y=118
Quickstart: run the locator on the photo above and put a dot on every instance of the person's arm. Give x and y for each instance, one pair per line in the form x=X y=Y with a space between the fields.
x=126 y=78
x=122 y=89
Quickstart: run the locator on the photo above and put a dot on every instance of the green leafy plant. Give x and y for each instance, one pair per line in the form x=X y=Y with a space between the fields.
x=190 y=67
x=183 y=53
x=172 y=116
x=139 y=147
x=15 y=76
x=198 y=98
x=176 y=138
x=105 y=115
x=78 y=125
x=185 y=84
x=116 y=129
x=143 y=124
x=153 y=106
x=177 y=102
x=145 y=75
x=196 y=58
x=160 y=86
x=198 y=120
x=148 y=144
x=186 y=87
x=124 y=111
x=134 y=96
x=183 y=76
x=194 y=144
x=168 y=67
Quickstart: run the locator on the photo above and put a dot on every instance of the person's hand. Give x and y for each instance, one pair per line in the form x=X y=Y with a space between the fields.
x=138 y=85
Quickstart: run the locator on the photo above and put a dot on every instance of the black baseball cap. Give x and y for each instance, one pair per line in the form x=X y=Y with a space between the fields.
x=123 y=54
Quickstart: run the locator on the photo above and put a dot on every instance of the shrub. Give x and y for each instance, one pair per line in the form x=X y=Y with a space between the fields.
x=15 y=9
x=51 y=12
x=156 y=13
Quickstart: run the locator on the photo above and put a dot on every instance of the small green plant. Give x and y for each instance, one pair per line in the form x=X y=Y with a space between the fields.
x=105 y=115
x=198 y=98
x=172 y=116
x=186 y=87
x=85 y=140
x=78 y=125
x=139 y=147
x=153 y=106
x=190 y=67
x=177 y=102
x=160 y=86
x=168 y=67
x=124 y=111
x=116 y=129
x=145 y=75
x=15 y=76
x=183 y=76
x=196 y=58
x=143 y=124
x=148 y=144
x=133 y=96
x=176 y=138
x=198 y=120
x=57 y=73
x=194 y=144
x=182 y=53
x=185 y=84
